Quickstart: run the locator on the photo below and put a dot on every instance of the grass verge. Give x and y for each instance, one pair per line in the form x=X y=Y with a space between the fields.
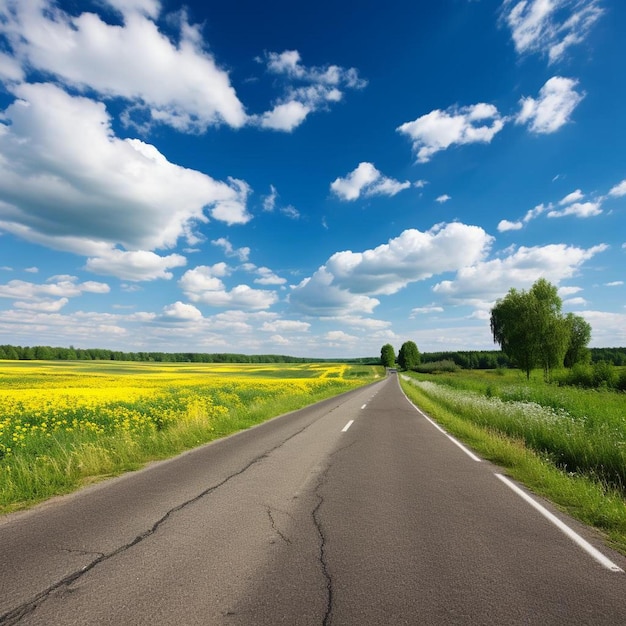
x=74 y=459
x=587 y=500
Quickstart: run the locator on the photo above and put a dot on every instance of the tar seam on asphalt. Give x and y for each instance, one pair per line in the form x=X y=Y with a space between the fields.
x=13 y=616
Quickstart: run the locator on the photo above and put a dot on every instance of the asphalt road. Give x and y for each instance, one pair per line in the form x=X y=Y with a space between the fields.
x=357 y=510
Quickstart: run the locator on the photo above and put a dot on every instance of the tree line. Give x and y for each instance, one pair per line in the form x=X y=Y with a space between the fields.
x=51 y=353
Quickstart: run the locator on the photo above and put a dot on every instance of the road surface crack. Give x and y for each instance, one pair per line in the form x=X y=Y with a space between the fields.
x=15 y=615
x=275 y=527
x=323 y=557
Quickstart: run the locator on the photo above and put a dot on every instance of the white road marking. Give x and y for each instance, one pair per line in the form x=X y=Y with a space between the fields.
x=574 y=536
x=343 y=430
x=469 y=453
x=363 y=406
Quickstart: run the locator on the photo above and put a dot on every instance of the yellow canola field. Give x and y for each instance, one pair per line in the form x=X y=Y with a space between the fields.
x=44 y=400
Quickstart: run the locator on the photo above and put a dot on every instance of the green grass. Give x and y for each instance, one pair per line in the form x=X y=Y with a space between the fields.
x=188 y=410
x=565 y=444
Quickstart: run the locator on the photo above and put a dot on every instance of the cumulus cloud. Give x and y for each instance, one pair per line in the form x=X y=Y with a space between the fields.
x=619 y=190
x=135 y=265
x=410 y=257
x=366 y=181
x=339 y=336
x=438 y=130
x=70 y=184
x=241 y=253
x=286 y=326
x=307 y=89
x=318 y=296
x=575 y=196
x=480 y=284
x=59 y=288
x=178 y=84
x=345 y=284
x=181 y=312
x=549 y=27
x=505 y=225
x=203 y=284
x=578 y=209
x=443 y=198
x=553 y=108
x=268 y=277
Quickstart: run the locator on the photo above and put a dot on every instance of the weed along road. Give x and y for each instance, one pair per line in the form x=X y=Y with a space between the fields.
x=357 y=510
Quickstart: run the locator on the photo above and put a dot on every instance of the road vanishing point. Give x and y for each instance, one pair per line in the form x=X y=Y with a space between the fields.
x=357 y=510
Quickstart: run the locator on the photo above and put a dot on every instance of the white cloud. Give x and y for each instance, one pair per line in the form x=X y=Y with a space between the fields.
x=553 y=108
x=438 y=130
x=425 y=310
x=443 y=198
x=203 y=285
x=579 y=209
x=480 y=284
x=60 y=287
x=241 y=253
x=366 y=181
x=289 y=326
x=73 y=185
x=319 y=87
x=267 y=277
x=615 y=283
x=343 y=285
x=45 y=306
x=285 y=116
x=570 y=302
x=175 y=84
x=536 y=212
x=619 y=190
x=339 y=336
x=420 y=184
x=318 y=296
x=179 y=311
x=135 y=265
x=269 y=201
x=505 y=225
x=568 y=291
x=410 y=257
x=575 y=196
x=549 y=26
x=607 y=329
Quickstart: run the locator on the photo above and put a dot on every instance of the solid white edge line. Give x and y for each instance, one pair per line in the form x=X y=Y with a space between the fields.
x=469 y=453
x=574 y=536
x=343 y=430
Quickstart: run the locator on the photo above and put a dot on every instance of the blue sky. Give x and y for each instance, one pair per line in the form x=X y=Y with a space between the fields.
x=315 y=180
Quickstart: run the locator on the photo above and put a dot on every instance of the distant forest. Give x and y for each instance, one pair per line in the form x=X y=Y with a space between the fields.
x=467 y=359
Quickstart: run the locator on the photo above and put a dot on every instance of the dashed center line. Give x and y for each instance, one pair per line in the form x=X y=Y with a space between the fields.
x=363 y=406
x=343 y=430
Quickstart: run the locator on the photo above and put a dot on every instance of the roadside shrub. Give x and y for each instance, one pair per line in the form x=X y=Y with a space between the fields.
x=604 y=375
x=437 y=367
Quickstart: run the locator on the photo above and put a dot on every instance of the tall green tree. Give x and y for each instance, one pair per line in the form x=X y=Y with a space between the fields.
x=531 y=329
x=512 y=327
x=579 y=336
x=409 y=355
x=551 y=329
x=388 y=355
